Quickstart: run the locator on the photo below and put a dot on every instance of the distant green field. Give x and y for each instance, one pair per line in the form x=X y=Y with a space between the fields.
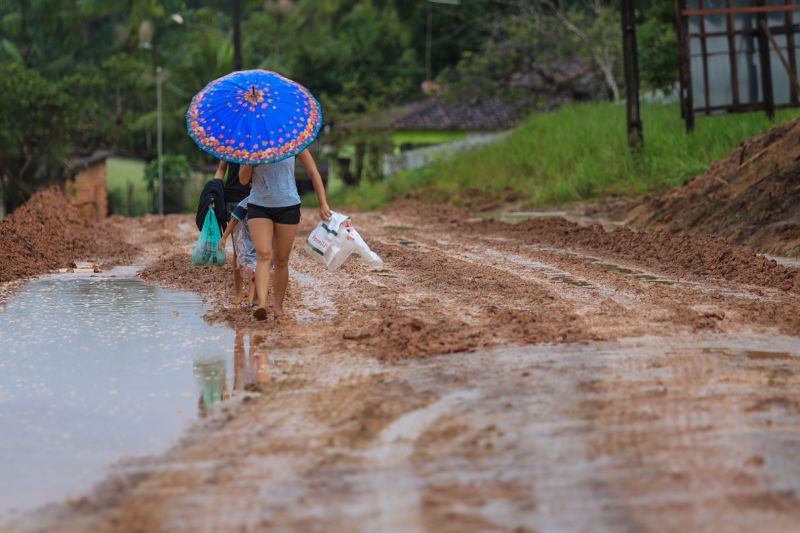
x=127 y=190
x=576 y=153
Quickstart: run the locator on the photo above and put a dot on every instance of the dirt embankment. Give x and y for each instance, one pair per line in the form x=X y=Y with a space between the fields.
x=47 y=233
x=751 y=198
x=682 y=256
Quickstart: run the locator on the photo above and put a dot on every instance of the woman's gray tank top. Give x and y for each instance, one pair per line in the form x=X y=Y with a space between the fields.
x=273 y=185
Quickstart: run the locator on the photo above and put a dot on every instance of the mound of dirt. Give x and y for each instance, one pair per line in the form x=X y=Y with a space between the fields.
x=751 y=198
x=397 y=334
x=175 y=271
x=677 y=255
x=47 y=233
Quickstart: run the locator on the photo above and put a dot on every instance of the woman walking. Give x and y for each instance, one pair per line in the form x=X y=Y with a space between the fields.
x=273 y=215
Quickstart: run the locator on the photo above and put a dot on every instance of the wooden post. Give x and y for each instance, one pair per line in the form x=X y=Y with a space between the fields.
x=130 y=199
x=766 y=64
x=631 y=63
x=687 y=100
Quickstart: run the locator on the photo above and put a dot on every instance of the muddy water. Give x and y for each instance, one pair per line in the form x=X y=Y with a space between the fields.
x=93 y=368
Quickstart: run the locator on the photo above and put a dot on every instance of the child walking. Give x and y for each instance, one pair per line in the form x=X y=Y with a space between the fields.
x=245 y=251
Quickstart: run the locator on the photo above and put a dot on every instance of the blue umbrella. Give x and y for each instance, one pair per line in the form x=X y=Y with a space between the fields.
x=254 y=117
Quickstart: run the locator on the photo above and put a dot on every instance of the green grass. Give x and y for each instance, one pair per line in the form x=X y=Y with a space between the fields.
x=576 y=153
x=123 y=173
x=427 y=137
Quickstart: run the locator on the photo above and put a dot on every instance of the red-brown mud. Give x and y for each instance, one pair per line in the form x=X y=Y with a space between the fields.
x=454 y=284
x=696 y=257
x=47 y=233
x=750 y=198
x=662 y=426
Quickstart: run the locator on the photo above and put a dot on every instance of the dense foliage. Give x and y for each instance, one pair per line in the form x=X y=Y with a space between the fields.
x=79 y=75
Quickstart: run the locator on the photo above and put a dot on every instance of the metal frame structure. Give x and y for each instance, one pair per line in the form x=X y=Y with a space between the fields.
x=737 y=55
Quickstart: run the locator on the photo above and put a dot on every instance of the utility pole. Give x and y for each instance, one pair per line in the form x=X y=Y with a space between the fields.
x=237 y=34
x=160 y=128
x=428 y=43
x=631 y=63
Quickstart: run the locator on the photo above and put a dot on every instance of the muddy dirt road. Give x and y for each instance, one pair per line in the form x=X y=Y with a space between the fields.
x=592 y=381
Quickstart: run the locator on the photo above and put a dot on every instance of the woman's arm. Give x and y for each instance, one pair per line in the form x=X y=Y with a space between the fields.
x=313 y=173
x=221 y=168
x=245 y=173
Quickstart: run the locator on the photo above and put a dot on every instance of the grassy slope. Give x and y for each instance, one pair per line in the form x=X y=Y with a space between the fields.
x=575 y=153
x=121 y=172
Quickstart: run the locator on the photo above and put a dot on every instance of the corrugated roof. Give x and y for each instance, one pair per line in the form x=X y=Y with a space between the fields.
x=84 y=162
x=435 y=113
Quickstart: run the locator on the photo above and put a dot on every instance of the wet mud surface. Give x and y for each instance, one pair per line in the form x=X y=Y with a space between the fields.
x=689 y=433
x=595 y=380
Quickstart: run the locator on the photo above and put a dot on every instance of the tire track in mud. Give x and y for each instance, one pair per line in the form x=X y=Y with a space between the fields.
x=396 y=491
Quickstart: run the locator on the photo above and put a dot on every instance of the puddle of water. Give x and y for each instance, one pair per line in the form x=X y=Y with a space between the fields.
x=569 y=280
x=792 y=262
x=96 y=367
x=614 y=268
x=514 y=217
x=558 y=275
x=407 y=242
x=611 y=267
x=649 y=278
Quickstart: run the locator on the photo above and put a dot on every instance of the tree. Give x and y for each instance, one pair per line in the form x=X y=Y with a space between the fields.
x=177 y=172
x=596 y=24
x=658 y=47
x=36 y=121
x=111 y=100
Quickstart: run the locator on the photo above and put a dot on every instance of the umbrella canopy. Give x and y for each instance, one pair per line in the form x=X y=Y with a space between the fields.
x=254 y=117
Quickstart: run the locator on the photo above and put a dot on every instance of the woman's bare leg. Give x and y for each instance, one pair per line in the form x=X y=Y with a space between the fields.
x=261 y=230
x=284 y=240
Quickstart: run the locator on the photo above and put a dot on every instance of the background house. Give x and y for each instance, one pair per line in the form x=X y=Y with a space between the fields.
x=88 y=188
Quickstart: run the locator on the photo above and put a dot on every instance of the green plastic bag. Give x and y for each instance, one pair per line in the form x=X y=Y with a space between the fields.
x=207 y=251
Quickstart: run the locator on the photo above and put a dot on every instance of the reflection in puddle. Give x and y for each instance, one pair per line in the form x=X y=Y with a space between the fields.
x=97 y=367
x=250 y=366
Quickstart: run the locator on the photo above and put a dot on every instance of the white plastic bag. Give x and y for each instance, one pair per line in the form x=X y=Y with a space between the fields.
x=333 y=241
